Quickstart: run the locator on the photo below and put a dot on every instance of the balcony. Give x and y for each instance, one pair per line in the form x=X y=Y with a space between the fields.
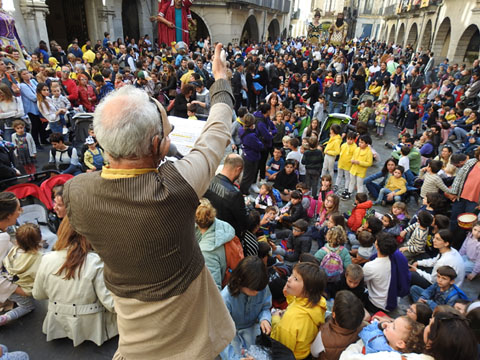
x=390 y=10
x=296 y=14
x=277 y=5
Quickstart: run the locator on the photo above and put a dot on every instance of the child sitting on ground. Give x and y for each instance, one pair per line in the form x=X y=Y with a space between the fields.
x=351 y=280
x=394 y=188
x=21 y=264
x=419 y=312
x=286 y=180
x=470 y=252
x=334 y=257
x=297 y=242
x=293 y=211
x=275 y=164
x=248 y=301
x=366 y=248
x=391 y=225
x=418 y=239
x=443 y=292
x=267 y=222
x=372 y=225
x=341 y=329
x=298 y=326
x=399 y=210
x=403 y=335
x=93 y=157
x=359 y=211
x=265 y=198
x=432 y=181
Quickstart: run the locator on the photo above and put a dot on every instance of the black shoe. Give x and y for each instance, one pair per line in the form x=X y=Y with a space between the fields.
x=345 y=196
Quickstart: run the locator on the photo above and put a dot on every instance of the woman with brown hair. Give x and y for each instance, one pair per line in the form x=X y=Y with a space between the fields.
x=182 y=100
x=11 y=108
x=79 y=305
x=171 y=82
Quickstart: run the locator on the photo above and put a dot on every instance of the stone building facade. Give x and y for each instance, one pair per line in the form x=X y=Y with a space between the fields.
x=450 y=28
x=222 y=20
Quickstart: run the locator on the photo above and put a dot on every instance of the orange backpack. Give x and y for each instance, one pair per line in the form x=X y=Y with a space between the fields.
x=233 y=255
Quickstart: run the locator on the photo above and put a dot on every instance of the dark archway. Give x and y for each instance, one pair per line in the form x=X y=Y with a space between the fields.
x=468 y=46
x=442 y=39
x=131 y=26
x=427 y=37
x=391 y=36
x=273 y=30
x=413 y=36
x=401 y=35
x=250 y=30
x=66 y=21
x=201 y=30
x=284 y=34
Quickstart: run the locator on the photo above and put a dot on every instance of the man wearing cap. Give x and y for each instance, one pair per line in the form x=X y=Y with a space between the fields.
x=144 y=82
x=139 y=215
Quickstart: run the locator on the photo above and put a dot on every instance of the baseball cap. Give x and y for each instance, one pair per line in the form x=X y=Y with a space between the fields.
x=143 y=75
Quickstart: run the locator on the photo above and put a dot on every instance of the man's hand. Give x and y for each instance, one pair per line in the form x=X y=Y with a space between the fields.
x=265 y=327
x=422 y=300
x=403 y=233
x=471 y=276
x=390 y=196
x=402 y=249
x=219 y=67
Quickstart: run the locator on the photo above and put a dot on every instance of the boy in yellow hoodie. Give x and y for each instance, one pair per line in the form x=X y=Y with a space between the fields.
x=396 y=186
x=362 y=159
x=297 y=326
x=22 y=263
x=332 y=149
x=344 y=162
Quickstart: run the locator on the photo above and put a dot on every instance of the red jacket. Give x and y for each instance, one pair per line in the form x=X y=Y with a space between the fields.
x=72 y=90
x=84 y=94
x=358 y=213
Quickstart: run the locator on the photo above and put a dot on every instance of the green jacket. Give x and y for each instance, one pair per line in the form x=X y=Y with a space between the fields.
x=212 y=246
x=414 y=157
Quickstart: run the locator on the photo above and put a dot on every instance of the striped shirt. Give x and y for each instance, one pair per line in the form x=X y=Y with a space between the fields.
x=418 y=239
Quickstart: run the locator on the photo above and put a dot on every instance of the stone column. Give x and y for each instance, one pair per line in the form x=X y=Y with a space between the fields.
x=34 y=12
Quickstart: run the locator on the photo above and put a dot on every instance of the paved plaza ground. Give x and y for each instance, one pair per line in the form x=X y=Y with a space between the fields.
x=26 y=333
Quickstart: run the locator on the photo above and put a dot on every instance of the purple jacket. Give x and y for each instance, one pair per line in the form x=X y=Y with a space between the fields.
x=251 y=145
x=265 y=129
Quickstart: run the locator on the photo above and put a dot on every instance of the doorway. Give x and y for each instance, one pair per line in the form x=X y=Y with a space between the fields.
x=66 y=21
x=131 y=26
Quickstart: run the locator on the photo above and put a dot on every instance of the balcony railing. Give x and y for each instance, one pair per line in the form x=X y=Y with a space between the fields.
x=278 y=5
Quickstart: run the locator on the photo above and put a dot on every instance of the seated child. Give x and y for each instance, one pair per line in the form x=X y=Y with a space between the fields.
x=93 y=156
x=351 y=280
x=366 y=248
x=306 y=195
x=362 y=204
x=275 y=164
x=432 y=181
x=21 y=264
x=286 y=180
x=250 y=243
x=399 y=210
x=267 y=222
x=265 y=198
x=403 y=335
x=278 y=274
x=297 y=242
x=298 y=326
x=341 y=329
x=418 y=311
x=372 y=225
x=461 y=306
x=470 y=252
x=391 y=225
x=294 y=212
x=248 y=301
x=334 y=257
x=443 y=292
x=394 y=188
x=418 y=239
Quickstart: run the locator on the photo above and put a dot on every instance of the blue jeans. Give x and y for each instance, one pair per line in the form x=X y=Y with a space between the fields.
x=73 y=169
x=372 y=187
x=335 y=108
x=416 y=292
x=25 y=305
x=57 y=127
x=383 y=192
x=16 y=355
x=460 y=133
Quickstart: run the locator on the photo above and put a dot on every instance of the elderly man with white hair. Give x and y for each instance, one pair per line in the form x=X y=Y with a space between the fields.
x=138 y=213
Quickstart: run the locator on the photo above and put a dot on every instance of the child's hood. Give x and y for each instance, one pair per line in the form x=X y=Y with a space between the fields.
x=217 y=235
x=365 y=205
x=18 y=261
x=316 y=313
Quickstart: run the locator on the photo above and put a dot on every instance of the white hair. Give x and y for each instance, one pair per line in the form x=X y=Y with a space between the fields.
x=125 y=123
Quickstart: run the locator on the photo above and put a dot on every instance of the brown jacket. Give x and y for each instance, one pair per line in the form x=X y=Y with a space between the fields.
x=336 y=339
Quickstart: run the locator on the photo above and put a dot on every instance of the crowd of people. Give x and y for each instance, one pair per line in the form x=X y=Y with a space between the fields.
x=277 y=196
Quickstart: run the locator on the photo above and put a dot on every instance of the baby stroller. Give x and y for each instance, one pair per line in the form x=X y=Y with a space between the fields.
x=335 y=118
x=80 y=125
x=34 y=205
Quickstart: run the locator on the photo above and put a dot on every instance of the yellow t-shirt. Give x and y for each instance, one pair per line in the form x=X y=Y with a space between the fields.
x=346 y=154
